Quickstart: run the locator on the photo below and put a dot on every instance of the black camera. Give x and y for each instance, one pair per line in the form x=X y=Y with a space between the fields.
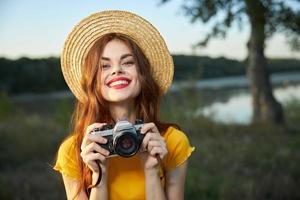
x=123 y=139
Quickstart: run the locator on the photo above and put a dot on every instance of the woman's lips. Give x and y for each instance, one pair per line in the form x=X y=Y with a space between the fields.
x=118 y=83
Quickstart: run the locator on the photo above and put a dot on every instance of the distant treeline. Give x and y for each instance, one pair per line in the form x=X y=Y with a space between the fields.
x=44 y=75
x=31 y=75
x=199 y=67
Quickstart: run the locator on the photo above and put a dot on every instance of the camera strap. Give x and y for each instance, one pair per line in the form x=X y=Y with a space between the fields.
x=99 y=177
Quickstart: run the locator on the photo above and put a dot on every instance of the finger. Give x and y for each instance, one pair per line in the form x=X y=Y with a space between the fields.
x=93 y=126
x=94 y=147
x=86 y=158
x=149 y=127
x=96 y=138
x=91 y=158
x=146 y=140
x=158 y=151
x=160 y=140
x=98 y=156
x=88 y=130
x=153 y=143
x=150 y=136
x=93 y=166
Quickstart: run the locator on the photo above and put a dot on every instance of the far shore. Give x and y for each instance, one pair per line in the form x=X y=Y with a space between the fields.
x=278 y=79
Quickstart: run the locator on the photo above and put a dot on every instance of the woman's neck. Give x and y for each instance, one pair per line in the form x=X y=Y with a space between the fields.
x=123 y=111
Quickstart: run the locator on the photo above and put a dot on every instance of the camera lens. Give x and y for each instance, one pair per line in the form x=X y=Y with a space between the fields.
x=126 y=144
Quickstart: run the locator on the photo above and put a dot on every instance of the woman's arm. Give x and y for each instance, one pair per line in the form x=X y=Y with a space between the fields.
x=71 y=186
x=101 y=189
x=156 y=150
x=154 y=189
x=155 y=145
x=94 y=156
x=175 y=181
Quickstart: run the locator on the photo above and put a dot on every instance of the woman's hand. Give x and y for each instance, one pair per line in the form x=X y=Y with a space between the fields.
x=92 y=153
x=153 y=148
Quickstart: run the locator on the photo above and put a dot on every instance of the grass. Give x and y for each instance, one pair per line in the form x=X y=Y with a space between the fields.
x=230 y=162
x=245 y=162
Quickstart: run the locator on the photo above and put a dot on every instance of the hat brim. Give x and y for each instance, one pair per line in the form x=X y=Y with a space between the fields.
x=89 y=30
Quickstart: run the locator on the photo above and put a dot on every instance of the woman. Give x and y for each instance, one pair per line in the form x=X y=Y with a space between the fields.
x=118 y=66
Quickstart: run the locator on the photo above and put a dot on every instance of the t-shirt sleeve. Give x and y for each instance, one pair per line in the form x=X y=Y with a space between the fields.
x=66 y=162
x=179 y=148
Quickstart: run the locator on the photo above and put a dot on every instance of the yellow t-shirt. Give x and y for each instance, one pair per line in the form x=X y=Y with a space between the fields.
x=126 y=175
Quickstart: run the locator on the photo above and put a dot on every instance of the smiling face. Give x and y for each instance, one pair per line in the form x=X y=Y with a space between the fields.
x=119 y=76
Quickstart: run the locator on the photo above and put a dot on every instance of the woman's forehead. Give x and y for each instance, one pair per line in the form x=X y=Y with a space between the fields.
x=116 y=49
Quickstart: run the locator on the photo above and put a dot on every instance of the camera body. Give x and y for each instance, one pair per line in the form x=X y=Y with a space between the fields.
x=123 y=139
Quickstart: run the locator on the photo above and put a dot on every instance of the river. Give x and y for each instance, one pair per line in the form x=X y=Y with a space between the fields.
x=238 y=108
x=225 y=99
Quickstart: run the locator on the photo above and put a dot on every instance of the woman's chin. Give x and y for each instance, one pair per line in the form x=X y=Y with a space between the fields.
x=119 y=99
x=119 y=96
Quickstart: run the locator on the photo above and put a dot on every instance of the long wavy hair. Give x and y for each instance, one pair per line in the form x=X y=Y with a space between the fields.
x=96 y=109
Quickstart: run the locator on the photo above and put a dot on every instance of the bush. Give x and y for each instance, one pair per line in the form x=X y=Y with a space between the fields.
x=6 y=107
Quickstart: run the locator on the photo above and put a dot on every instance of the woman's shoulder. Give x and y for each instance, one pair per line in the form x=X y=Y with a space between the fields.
x=67 y=149
x=66 y=161
x=176 y=138
x=69 y=144
x=174 y=132
x=179 y=148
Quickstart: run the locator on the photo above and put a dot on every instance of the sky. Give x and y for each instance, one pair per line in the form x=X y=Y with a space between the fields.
x=38 y=28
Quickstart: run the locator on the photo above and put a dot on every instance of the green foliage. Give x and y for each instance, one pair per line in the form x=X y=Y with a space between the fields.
x=31 y=180
x=230 y=161
x=243 y=162
x=28 y=136
x=6 y=107
x=292 y=107
x=63 y=112
x=196 y=67
x=31 y=75
x=28 y=145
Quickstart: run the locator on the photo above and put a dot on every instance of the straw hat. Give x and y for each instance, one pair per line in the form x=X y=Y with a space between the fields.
x=92 y=28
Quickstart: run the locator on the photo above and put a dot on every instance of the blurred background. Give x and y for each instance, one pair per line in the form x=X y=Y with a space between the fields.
x=235 y=93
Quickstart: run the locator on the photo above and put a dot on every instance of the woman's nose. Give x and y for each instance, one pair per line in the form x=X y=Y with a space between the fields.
x=117 y=69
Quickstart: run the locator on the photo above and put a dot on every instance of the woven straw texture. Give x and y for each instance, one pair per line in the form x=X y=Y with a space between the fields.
x=90 y=29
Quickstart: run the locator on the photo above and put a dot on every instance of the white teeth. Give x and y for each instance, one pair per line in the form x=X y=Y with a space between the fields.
x=121 y=82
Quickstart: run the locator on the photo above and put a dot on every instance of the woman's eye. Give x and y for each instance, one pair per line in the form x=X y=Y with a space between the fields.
x=105 y=66
x=128 y=63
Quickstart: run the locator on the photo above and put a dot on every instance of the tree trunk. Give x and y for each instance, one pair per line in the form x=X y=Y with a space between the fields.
x=265 y=106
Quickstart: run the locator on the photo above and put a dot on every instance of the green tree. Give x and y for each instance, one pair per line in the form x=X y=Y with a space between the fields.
x=264 y=17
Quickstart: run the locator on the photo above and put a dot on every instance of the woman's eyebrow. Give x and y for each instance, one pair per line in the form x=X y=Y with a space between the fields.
x=122 y=57
x=125 y=56
x=105 y=58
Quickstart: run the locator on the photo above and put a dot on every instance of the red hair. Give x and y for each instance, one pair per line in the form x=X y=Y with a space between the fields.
x=95 y=108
